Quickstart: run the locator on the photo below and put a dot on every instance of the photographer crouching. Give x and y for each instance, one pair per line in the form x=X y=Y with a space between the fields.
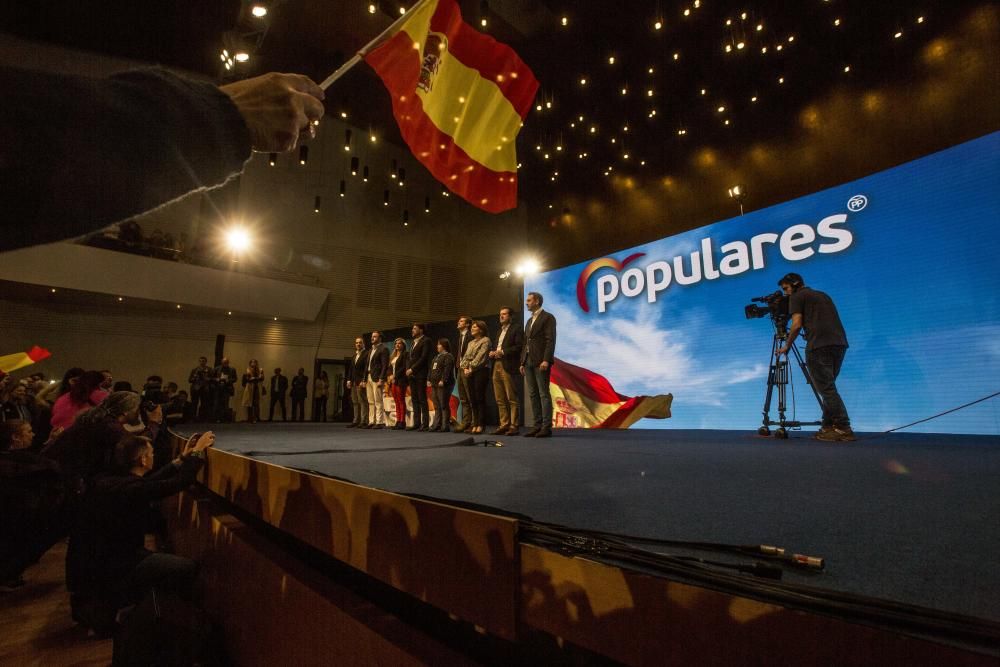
x=825 y=349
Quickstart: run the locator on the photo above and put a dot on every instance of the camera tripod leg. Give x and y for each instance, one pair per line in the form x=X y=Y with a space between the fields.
x=771 y=381
x=808 y=375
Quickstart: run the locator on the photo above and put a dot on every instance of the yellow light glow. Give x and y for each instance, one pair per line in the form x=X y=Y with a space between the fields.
x=260 y=11
x=564 y=20
x=658 y=25
x=611 y=60
x=237 y=238
x=242 y=56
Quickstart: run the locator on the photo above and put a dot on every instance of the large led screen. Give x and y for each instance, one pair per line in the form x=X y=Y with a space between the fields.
x=909 y=256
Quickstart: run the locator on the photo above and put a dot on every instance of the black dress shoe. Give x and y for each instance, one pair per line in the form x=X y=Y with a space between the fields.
x=544 y=433
x=444 y=429
x=423 y=428
x=378 y=426
x=513 y=430
x=400 y=426
x=532 y=433
x=352 y=425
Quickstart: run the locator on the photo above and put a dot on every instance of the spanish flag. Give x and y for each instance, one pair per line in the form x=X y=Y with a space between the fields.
x=460 y=98
x=584 y=399
x=11 y=362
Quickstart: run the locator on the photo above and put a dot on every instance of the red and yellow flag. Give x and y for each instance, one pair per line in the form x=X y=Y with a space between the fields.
x=11 y=362
x=584 y=399
x=460 y=98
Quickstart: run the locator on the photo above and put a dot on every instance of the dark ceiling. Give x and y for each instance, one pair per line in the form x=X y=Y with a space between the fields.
x=782 y=97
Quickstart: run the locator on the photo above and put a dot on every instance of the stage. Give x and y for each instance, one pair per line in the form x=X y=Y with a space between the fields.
x=911 y=518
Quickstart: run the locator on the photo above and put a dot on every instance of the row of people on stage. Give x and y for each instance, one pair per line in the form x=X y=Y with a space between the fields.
x=474 y=363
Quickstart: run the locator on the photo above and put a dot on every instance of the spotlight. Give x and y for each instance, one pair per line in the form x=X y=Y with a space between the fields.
x=237 y=239
x=527 y=267
x=260 y=11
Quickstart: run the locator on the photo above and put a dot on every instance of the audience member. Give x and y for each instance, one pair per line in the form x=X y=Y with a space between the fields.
x=253 y=387
x=85 y=449
x=442 y=379
x=32 y=499
x=110 y=566
x=200 y=388
x=300 y=387
x=51 y=393
x=122 y=385
x=279 y=390
x=17 y=405
x=224 y=389
x=84 y=393
x=321 y=391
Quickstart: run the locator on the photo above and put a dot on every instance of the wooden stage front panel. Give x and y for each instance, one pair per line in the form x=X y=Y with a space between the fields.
x=461 y=561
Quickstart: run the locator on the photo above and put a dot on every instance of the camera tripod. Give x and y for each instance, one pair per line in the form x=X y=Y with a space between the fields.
x=778 y=376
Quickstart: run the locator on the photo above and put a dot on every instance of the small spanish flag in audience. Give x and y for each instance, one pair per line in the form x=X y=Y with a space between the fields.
x=584 y=399
x=11 y=362
x=460 y=98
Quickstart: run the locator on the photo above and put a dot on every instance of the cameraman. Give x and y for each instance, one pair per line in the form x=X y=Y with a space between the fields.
x=825 y=349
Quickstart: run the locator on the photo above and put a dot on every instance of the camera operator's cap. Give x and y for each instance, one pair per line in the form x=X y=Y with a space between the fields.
x=793 y=279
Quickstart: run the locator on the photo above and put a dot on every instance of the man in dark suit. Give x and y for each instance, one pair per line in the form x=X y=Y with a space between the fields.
x=224 y=389
x=198 y=379
x=279 y=389
x=375 y=373
x=464 y=338
x=506 y=357
x=536 y=364
x=356 y=383
x=416 y=371
x=300 y=387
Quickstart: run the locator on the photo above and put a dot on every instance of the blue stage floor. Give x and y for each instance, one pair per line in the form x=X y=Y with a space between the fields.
x=908 y=517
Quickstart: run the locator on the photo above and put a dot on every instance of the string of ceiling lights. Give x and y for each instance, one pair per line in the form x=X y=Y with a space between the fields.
x=564 y=141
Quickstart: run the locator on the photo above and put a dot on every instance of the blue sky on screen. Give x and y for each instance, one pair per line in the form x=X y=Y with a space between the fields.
x=914 y=268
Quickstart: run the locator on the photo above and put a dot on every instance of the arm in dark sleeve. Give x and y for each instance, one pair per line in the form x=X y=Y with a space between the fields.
x=549 y=333
x=448 y=374
x=513 y=343
x=82 y=153
x=166 y=481
x=384 y=365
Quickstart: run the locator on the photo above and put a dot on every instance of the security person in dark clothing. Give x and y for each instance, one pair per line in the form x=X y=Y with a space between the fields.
x=826 y=346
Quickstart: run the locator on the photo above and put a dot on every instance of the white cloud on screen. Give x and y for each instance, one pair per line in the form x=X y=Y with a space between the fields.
x=640 y=357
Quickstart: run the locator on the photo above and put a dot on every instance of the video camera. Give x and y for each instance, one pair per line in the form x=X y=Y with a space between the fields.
x=776 y=307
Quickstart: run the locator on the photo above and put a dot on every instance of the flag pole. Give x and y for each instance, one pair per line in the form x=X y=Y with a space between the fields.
x=363 y=51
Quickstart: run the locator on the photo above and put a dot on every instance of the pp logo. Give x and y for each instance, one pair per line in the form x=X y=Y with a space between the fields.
x=857 y=203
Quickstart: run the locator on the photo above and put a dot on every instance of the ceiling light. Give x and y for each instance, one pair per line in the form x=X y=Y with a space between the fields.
x=260 y=11
x=242 y=56
x=898 y=35
x=564 y=20
x=740 y=45
x=760 y=26
x=658 y=25
x=611 y=60
x=836 y=22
